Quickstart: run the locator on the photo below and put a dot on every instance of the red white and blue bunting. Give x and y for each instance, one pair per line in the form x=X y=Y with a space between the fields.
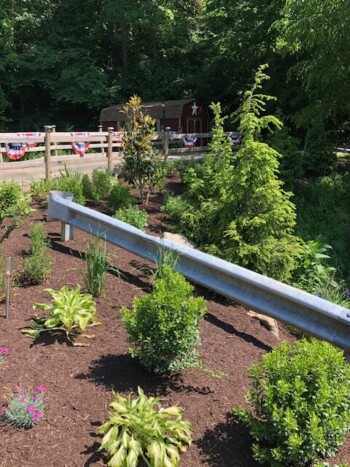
x=15 y=151
x=189 y=141
x=119 y=137
x=80 y=147
x=236 y=139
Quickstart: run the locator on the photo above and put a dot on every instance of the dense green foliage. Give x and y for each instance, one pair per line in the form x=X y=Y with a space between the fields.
x=140 y=164
x=300 y=400
x=235 y=206
x=132 y=215
x=140 y=429
x=163 y=325
x=62 y=62
x=38 y=264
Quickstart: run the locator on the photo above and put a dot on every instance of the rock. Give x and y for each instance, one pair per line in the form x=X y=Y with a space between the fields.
x=176 y=238
x=266 y=321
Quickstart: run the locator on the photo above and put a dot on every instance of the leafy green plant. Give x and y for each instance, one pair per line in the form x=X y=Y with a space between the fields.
x=41 y=187
x=69 y=311
x=133 y=215
x=38 y=265
x=140 y=429
x=72 y=183
x=235 y=206
x=24 y=408
x=119 y=198
x=300 y=400
x=315 y=276
x=141 y=166
x=97 y=263
x=13 y=204
x=163 y=325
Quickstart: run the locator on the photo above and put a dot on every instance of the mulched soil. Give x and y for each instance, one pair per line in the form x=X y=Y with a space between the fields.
x=80 y=380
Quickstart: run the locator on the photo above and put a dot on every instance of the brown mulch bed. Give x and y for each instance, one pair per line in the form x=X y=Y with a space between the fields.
x=80 y=380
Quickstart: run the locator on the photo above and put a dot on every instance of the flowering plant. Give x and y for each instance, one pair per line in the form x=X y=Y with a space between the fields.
x=24 y=408
x=3 y=352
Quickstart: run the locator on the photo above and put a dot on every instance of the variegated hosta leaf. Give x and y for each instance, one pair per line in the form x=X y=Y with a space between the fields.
x=140 y=428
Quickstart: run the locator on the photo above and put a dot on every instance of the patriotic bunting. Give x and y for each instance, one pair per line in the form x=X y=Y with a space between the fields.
x=80 y=147
x=15 y=151
x=119 y=137
x=189 y=141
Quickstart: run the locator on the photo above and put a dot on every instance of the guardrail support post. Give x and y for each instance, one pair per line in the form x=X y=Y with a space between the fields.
x=48 y=130
x=110 y=148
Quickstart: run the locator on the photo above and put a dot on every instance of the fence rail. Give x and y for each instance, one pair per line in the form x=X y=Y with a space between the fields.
x=105 y=152
x=312 y=314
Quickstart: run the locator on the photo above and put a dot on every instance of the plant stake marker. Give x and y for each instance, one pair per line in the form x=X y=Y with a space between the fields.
x=8 y=272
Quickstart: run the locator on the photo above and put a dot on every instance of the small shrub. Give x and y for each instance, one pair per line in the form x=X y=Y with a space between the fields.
x=132 y=215
x=96 y=258
x=300 y=398
x=119 y=198
x=13 y=204
x=163 y=325
x=69 y=311
x=41 y=187
x=71 y=182
x=3 y=352
x=174 y=206
x=103 y=182
x=140 y=429
x=24 y=408
x=38 y=266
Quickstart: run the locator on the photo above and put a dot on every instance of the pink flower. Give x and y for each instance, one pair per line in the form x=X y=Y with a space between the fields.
x=3 y=410
x=37 y=414
x=31 y=409
x=22 y=400
x=41 y=388
x=3 y=350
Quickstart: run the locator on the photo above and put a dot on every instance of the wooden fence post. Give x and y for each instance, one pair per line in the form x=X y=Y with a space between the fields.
x=166 y=143
x=110 y=148
x=55 y=152
x=48 y=130
x=100 y=129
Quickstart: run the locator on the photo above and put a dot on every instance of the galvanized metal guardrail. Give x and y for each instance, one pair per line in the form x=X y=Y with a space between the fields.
x=312 y=314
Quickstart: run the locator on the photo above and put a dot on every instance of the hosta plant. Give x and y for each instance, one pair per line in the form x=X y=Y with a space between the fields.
x=24 y=407
x=69 y=311
x=139 y=429
x=301 y=406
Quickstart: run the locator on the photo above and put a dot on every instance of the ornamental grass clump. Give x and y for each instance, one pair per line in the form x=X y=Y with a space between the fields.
x=69 y=311
x=301 y=405
x=139 y=429
x=163 y=325
x=25 y=408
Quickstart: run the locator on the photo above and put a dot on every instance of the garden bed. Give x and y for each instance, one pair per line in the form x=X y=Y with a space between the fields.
x=80 y=380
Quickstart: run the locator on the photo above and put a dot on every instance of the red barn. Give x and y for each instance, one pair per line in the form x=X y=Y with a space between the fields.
x=182 y=116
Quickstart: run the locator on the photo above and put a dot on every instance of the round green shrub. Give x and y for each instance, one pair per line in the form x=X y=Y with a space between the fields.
x=163 y=325
x=301 y=404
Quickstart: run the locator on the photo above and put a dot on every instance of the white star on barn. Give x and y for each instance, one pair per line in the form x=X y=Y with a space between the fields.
x=194 y=108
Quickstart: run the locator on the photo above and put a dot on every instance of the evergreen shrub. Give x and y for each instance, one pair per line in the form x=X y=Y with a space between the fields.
x=301 y=406
x=163 y=325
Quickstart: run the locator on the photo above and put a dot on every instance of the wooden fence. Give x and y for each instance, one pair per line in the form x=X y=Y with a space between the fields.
x=105 y=152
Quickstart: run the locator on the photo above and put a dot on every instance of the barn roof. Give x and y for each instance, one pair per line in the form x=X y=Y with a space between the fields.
x=157 y=110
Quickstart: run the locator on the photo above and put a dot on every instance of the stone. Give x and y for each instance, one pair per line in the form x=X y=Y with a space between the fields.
x=177 y=238
x=266 y=321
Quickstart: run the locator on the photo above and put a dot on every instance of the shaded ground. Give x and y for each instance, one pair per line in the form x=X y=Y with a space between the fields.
x=80 y=381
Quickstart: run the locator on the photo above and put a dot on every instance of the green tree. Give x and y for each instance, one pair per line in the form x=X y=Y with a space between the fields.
x=141 y=165
x=316 y=36
x=236 y=207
